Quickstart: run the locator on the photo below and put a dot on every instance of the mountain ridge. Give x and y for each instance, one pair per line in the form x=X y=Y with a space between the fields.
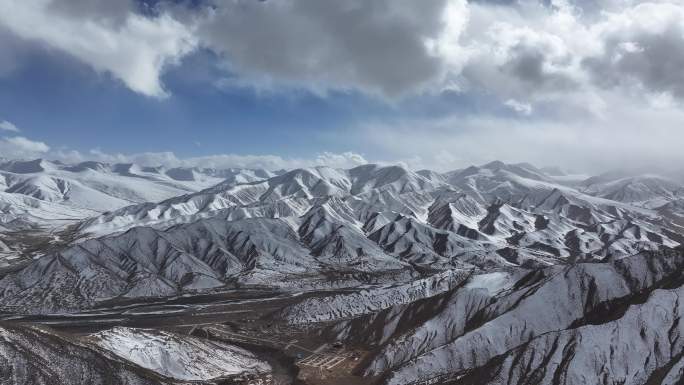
x=490 y=274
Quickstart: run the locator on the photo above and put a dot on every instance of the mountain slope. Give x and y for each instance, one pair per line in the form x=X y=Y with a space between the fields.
x=514 y=209
x=616 y=321
x=649 y=191
x=30 y=356
x=39 y=356
x=297 y=185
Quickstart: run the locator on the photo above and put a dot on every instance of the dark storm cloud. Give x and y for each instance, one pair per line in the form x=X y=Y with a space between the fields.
x=376 y=46
x=529 y=64
x=379 y=47
x=654 y=60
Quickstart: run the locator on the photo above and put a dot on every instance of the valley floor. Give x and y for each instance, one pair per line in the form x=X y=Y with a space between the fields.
x=296 y=353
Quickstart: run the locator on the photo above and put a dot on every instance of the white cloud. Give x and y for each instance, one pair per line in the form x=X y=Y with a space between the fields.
x=380 y=47
x=28 y=145
x=533 y=50
x=136 y=50
x=343 y=160
x=21 y=147
x=624 y=137
x=8 y=126
x=519 y=107
x=642 y=50
x=449 y=143
x=169 y=159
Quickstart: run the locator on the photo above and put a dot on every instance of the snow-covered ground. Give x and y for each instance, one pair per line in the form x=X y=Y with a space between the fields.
x=179 y=357
x=342 y=306
x=492 y=282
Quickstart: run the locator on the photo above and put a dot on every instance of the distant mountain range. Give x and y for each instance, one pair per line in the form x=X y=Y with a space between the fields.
x=51 y=191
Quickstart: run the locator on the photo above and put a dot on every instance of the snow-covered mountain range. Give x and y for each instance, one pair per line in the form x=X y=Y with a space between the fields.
x=467 y=260
x=257 y=228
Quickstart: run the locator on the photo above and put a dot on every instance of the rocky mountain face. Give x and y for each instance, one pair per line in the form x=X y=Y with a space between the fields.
x=487 y=275
x=601 y=322
x=31 y=356
x=619 y=321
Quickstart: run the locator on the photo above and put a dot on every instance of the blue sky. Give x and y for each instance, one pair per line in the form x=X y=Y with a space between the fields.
x=65 y=103
x=440 y=85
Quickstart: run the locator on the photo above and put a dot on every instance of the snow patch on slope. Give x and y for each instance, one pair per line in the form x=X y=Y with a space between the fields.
x=492 y=282
x=180 y=357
